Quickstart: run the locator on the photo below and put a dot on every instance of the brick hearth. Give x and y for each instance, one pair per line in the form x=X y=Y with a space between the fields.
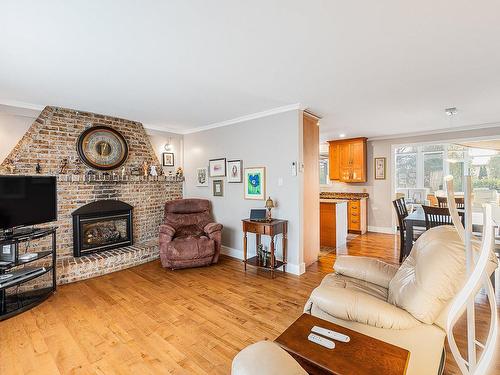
x=52 y=138
x=72 y=269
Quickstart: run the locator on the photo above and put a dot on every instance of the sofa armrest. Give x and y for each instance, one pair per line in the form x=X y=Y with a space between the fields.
x=361 y=307
x=212 y=227
x=265 y=358
x=167 y=230
x=367 y=269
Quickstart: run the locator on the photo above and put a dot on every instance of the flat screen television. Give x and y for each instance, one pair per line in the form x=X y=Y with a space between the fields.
x=27 y=200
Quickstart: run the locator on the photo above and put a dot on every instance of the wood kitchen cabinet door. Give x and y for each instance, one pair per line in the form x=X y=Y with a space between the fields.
x=358 y=161
x=334 y=161
x=328 y=226
x=348 y=160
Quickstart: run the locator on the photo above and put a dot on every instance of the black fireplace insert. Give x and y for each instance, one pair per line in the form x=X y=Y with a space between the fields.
x=102 y=225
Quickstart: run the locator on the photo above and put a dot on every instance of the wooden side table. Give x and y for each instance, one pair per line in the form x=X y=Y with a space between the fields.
x=268 y=228
x=362 y=355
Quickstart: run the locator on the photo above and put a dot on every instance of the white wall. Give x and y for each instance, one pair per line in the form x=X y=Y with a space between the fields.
x=271 y=142
x=12 y=129
x=159 y=139
x=380 y=209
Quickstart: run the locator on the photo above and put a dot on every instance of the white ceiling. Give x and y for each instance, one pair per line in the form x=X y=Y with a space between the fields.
x=370 y=68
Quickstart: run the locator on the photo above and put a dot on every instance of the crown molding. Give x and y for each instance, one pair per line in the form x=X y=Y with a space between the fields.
x=20 y=108
x=253 y=116
x=161 y=128
x=436 y=131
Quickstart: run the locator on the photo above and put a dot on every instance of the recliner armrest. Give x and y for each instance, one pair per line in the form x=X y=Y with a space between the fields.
x=367 y=269
x=167 y=229
x=212 y=227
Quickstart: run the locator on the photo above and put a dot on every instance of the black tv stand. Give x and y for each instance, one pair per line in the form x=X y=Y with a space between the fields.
x=15 y=303
x=16 y=232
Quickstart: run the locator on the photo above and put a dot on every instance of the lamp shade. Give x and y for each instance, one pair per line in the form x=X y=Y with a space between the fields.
x=269 y=203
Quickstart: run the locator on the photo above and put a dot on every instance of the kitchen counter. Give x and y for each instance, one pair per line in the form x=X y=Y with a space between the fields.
x=357 y=208
x=332 y=200
x=342 y=195
x=333 y=222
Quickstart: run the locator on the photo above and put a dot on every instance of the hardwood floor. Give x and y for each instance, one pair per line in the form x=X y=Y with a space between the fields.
x=147 y=320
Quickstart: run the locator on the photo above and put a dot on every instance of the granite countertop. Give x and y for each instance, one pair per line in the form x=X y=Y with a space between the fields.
x=342 y=195
x=332 y=200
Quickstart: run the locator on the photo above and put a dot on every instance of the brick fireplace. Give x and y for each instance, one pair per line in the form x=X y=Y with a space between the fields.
x=102 y=225
x=49 y=141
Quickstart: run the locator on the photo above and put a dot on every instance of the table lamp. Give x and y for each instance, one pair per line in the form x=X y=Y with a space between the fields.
x=269 y=206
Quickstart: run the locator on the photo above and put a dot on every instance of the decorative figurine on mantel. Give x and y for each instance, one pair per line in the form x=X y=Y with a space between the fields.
x=63 y=166
x=123 y=173
x=38 y=168
x=135 y=171
x=179 y=173
x=153 y=171
x=145 y=168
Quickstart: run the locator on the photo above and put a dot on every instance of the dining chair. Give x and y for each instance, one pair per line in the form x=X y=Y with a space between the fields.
x=443 y=202
x=436 y=216
x=432 y=200
x=402 y=213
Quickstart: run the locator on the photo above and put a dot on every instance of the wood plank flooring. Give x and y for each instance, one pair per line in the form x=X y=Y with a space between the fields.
x=147 y=320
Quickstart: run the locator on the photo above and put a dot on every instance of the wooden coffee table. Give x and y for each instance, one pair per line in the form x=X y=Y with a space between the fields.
x=361 y=355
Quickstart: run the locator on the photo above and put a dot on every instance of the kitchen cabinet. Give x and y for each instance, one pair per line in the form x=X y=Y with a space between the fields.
x=347 y=159
x=357 y=216
x=333 y=223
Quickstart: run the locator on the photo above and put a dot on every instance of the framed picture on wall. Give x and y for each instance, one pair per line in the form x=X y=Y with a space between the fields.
x=168 y=159
x=217 y=167
x=202 y=177
x=255 y=183
x=380 y=168
x=235 y=174
x=218 y=188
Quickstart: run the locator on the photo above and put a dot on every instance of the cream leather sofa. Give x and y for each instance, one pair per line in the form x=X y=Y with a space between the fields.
x=265 y=358
x=406 y=306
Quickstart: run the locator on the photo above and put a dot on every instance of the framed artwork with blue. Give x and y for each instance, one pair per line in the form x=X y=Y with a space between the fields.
x=255 y=183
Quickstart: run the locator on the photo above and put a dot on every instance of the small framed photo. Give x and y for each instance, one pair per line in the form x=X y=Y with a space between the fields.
x=218 y=188
x=255 y=183
x=217 y=167
x=202 y=177
x=168 y=159
x=380 y=168
x=235 y=174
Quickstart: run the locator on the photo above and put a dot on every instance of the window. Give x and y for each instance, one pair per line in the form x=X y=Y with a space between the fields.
x=424 y=166
x=406 y=170
x=323 y=170
x=433 y=171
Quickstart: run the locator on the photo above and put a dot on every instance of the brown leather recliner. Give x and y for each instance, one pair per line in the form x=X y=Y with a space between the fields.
x=189 y=237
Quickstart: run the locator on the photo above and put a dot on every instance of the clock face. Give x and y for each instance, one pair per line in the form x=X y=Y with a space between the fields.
x=103 y=148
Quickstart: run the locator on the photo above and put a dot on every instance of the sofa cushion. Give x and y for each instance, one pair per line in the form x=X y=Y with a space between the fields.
x=352 y=299
x=431 y=275
x=190 y=248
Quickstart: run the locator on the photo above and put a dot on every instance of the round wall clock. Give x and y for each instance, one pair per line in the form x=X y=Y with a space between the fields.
x=102 y=147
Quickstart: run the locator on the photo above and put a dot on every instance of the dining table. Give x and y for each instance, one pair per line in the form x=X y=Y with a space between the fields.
x=416 y=220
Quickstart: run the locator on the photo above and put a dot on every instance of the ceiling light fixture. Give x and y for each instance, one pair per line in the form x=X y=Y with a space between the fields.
x=452 y=111
x=342 y=135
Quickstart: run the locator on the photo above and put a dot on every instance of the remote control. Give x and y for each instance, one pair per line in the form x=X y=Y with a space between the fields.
x=331 y=334
x=329 y=344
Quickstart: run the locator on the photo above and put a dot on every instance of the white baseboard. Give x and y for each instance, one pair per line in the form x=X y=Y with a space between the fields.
x=233 y=253
x=387 y=230
x=294 y=269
